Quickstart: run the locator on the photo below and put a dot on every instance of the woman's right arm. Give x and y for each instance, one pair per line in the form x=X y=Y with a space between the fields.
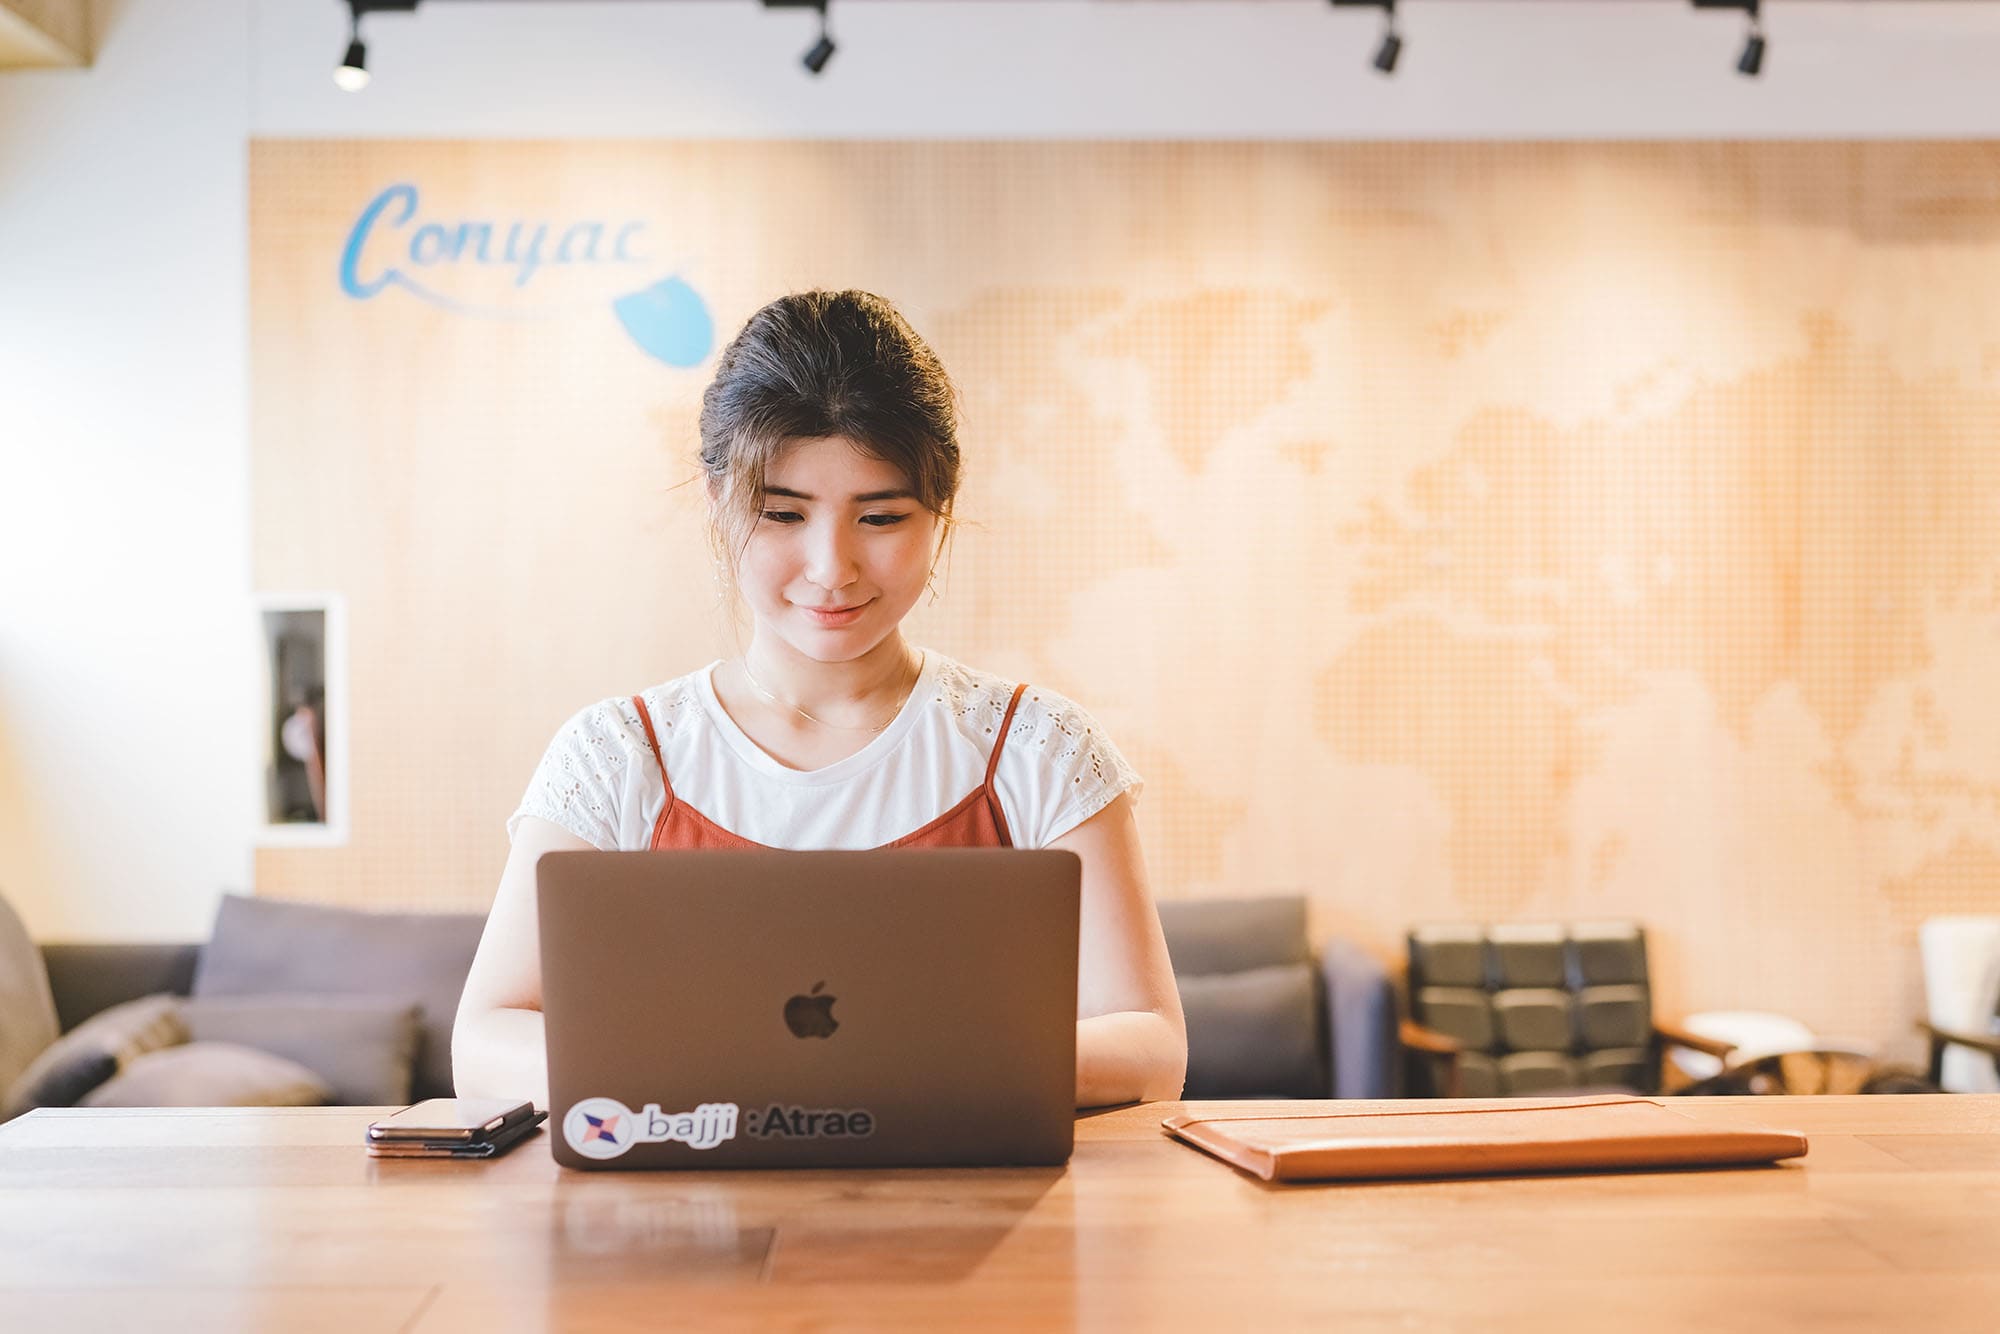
x=497 y=1046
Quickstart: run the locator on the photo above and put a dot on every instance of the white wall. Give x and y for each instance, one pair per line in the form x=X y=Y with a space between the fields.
x=128 y=777
x=1129 y=69
x=129 y=745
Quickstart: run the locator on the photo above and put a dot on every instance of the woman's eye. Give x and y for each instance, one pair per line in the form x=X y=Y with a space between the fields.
x=872 y=520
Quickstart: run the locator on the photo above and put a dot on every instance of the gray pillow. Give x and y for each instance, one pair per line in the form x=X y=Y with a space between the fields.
x=210 y=1074
x=27 y=1010
x=269 y=946
x=361 y=1049
x=94 y=1051
x=1210 y=936
x=1254 y=1034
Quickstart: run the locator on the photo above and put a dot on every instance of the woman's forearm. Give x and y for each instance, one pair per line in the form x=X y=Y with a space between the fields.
x=500 y=1054
x=1130 y=1056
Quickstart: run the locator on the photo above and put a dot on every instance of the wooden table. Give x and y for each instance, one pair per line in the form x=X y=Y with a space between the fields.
x=275 y=1219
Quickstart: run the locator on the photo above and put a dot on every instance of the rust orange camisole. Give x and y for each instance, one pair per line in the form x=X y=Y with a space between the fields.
x=975 y=822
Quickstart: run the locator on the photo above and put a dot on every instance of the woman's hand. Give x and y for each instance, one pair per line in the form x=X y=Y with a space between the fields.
x=498 y=1049
x=1131 y=1038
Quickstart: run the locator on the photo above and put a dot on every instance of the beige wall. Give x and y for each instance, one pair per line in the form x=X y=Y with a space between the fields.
x=1445 y=531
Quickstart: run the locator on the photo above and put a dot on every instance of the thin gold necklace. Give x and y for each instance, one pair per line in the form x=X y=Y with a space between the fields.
x=921 y=656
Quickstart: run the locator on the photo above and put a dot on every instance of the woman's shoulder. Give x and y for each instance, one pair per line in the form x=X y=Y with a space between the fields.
x=616 y=720
x=979 y=699
x=1057 y=768
x=973 y=698
x=597 y=769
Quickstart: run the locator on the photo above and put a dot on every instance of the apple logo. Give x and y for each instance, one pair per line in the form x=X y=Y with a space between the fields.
x=811 y=1016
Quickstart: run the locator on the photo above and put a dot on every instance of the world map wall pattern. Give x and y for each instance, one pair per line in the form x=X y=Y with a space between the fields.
x=1445 y=531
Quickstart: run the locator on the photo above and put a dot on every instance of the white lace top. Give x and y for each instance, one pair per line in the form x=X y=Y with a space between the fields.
x=598 y=779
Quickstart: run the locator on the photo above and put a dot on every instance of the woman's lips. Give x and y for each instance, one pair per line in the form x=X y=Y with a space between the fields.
x=833 y=618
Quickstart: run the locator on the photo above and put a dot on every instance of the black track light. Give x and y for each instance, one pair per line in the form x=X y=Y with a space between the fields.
x=1385 y=55
x=351 y=75
x=1391 y=48
x=823 y=49
x=1751 y=63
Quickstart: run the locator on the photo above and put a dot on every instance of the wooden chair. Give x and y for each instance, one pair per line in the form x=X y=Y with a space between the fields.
x=1942 y=1038
x=1812 y=1071
x=1961 y=959
x=1503 y=1010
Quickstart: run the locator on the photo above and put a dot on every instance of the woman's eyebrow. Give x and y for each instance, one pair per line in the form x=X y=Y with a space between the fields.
x=861 y=499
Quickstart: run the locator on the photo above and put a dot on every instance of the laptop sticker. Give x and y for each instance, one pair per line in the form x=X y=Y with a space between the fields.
x=606 y=1127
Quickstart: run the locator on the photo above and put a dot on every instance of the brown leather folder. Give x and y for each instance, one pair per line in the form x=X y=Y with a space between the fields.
x=1478 y=1138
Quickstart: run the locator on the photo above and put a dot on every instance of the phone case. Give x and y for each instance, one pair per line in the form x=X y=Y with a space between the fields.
x=451 y=1119
x=484 y=1148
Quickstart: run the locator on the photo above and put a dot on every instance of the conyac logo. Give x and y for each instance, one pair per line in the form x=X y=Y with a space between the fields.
x=606 y=1127
x=484 y=267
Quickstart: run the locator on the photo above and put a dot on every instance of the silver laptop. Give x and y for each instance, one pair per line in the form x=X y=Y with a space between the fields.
x=764 y=1008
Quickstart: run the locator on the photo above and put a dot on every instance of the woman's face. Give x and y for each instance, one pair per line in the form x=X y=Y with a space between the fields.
x=838 y=531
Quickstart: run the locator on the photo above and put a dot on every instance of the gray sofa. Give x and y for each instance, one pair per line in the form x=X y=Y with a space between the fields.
x=1269 y=1018
x=362 y=1000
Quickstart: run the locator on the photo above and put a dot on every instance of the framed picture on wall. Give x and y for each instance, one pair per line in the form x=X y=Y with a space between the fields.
x=303 y=719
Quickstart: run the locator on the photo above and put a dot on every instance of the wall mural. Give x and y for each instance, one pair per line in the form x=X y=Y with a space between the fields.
x=1502 y=532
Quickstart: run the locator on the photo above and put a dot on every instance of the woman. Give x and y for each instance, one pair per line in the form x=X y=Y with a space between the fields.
x=829 y=445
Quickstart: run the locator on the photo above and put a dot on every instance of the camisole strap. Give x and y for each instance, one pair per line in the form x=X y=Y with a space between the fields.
x=653 y=740
x=993 y=762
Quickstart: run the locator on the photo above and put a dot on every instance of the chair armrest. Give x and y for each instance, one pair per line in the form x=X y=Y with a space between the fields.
x=87 y=978
x=1429 y=1040
x=1675 y=1035
x=1360 y=1023
x=1442 y=1051
x=1951 y=1037
x=1942 y=1038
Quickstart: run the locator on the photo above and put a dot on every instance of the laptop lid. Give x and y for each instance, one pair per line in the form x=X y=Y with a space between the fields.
x=766 y=1008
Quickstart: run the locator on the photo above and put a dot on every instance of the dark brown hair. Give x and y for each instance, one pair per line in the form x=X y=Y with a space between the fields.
x=816 y=364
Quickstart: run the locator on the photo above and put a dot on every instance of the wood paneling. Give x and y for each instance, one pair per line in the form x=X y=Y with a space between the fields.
x=1491 y=531
x=44 y=32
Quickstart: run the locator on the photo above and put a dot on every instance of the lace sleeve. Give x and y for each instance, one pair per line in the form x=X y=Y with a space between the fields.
x=579 y=784
x=1076 y=769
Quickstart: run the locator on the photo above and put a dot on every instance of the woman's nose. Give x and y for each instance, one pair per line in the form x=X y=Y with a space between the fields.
x=830 y=561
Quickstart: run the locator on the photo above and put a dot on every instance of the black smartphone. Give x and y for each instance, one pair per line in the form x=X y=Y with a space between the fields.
x=451 y=1120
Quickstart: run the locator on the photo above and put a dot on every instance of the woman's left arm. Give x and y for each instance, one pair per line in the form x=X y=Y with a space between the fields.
x=1131 y=1038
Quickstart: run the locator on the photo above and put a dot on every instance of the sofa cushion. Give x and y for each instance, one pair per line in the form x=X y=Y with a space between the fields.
x=1529 y=954
x=1609 y=953
x=87 y=978
x=1231 y=935
x=1447 y=954
x=210 y=1074
x=1544 y=1072
x=1535 y=1019
x=362 y=1050
x=1615 y=1016
x=1464 y=1013
x=27 y=1009
x=270 y=946
x=94 y=1051
x=1254 y=1034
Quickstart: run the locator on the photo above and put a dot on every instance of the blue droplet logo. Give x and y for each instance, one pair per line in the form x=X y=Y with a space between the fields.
x=669 y=320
